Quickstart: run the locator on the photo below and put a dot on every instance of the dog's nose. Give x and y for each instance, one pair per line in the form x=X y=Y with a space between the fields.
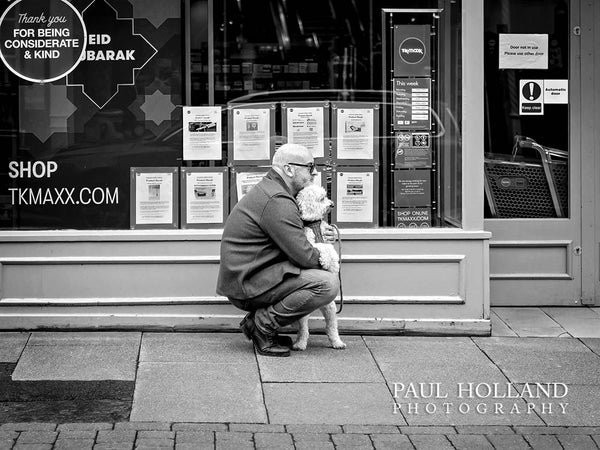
x=332 y=204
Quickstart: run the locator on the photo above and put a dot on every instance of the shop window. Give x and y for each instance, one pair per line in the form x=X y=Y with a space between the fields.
x=526 y=108
x=332 y=75
x=68 y=145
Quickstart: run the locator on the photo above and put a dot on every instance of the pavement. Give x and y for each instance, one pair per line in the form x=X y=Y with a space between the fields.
x=535 y=383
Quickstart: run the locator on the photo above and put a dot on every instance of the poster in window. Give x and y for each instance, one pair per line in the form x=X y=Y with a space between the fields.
x=412 y=50
x=412 y=102
x=203 y=192
x=354 y=192
x=522 y=51
x=251 y=134
x=245 y=181
x=412 y=187
x=355 y=133
x=202 y=133
x=154 y=192
x=307 y=125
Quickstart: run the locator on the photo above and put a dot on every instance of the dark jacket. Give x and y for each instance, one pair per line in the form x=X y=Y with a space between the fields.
x=263 y=240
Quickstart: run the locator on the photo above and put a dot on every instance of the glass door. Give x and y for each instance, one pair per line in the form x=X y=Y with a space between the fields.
x=532 y=152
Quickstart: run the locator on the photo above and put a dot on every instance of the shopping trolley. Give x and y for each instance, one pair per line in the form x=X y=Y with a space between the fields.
x=522 y=186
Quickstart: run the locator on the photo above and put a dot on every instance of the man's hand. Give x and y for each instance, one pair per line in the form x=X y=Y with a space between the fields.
x=328 y=234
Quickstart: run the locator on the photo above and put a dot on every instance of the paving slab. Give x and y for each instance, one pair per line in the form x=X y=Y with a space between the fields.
x=593 y=344
x=197 y=347
x=579 y=322
x=527 y=322
x=77 y=362
x=435 y=381
x=330 y=403
x=442 y=360
x=198 y=392
x=431 y=442
x=499 y=328
x=543 y=360
x=576 y=442
x=11 y=346
x=542 y=442
x=321 y=363
x=85 y=338
x=578 y=408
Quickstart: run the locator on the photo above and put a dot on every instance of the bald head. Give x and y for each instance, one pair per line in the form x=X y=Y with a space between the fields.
x=293 y=163
x=291 y=153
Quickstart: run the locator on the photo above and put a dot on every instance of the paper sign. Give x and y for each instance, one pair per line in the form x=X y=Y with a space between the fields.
x=531 y=97
x=251 y=134
x=154 y=198
x=246 y=181
x=306 y=126
x=355 y=133
x=354 y=202
x=202 y=133
x=204 y=197
x=556 y=91
x=523 y=51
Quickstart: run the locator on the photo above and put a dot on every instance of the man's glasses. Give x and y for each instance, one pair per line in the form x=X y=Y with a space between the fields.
x=310 y=166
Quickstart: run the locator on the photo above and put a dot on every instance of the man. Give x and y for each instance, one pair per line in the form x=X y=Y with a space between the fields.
x=268 y=267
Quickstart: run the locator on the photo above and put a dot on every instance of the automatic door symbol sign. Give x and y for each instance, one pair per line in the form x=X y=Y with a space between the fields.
x=530 y=98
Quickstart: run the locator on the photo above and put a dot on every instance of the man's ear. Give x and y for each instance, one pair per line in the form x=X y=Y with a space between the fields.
x=288 y=171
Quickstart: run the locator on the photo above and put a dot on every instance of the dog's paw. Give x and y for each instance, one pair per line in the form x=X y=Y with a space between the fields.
x=338 y=345
x=299 y=346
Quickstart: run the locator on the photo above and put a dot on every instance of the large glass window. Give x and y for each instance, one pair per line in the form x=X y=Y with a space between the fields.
x=68 y=145
x=526 y=108
x=373 y=88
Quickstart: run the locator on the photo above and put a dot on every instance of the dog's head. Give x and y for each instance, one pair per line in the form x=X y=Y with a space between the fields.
x=313 y=203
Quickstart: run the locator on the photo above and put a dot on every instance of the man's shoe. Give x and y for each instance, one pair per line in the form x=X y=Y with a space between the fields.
x=284 y=341
x=265 y=344
x=244 y=325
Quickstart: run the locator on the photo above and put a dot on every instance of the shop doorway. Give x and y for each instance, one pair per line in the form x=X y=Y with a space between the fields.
x=533 y=152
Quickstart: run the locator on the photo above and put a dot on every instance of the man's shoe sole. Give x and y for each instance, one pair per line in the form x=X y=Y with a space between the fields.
x=274 y=354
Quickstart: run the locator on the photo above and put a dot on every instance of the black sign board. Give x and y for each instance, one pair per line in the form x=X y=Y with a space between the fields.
x=412 y=100
x=412 y=51
x=412 y=187
x=412 y=217
x=413 y=149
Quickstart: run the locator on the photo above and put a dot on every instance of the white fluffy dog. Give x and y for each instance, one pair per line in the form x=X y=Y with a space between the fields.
x=314 y=205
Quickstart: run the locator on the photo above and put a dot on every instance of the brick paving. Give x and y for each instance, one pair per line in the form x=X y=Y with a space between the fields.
x=239 y=436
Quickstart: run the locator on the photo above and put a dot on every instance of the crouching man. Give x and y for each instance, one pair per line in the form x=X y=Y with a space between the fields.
x=268 y=268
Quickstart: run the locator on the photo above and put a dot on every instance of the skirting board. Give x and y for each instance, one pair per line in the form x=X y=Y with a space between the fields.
x=230 y=323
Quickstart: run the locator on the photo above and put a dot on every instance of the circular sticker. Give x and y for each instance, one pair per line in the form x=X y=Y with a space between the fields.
x=531 y=91
x=42 y=40
x=412 y=50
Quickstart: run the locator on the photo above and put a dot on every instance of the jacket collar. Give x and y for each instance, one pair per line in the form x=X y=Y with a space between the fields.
x=273 y=175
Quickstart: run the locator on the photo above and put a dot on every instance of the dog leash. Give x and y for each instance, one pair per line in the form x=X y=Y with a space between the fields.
x=339 y=240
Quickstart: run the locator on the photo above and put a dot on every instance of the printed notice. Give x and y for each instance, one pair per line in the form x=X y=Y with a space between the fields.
x=246 y=181
x=354 y=202
x=523 y=51
x=556 y=91
x=251 y=134
x=204 y=197
x=531 y=97
x=305 y=126
x=202 y=133
x=154 y=198
x=42 y=41
x=411 y=103
x=355 y=133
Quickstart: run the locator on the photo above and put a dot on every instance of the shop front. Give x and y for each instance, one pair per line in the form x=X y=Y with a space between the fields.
x=130 y=129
